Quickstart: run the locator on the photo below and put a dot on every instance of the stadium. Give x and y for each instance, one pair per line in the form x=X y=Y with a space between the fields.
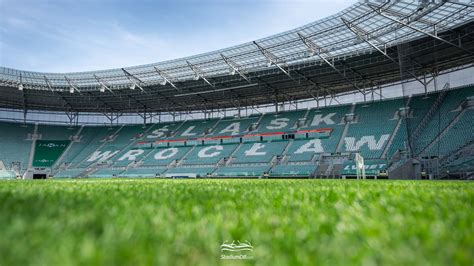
x=380 y=90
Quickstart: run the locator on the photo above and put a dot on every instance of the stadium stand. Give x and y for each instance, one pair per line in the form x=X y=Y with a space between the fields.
x=241 y=171
x=195 y=128
x=69 y=173
x=164 y=156
x=143 y=172
x=258 y=152
x=229 y=147
x=234 y=126
x=455 y=137
x=370 y=134
x=293 y=170
x=297 y=154
x=333 y=118
x=280 y=122
x=54 y=132
x=162 y=131
x=16 y=144
x=90 y=139
x=206 y=155
x=441 y=118
x=7 y=174
x=399 y=140
x=190 y=171
x=108 y=172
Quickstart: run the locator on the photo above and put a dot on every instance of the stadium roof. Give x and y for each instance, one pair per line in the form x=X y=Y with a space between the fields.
x=365 y=46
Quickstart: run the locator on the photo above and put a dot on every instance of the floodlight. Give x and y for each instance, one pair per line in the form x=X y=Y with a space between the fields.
x=20 y=87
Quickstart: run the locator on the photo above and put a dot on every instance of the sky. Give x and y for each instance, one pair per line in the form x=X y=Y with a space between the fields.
x=81 y=35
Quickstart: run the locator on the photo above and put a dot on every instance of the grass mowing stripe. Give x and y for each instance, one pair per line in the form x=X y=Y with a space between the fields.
x=288 y=222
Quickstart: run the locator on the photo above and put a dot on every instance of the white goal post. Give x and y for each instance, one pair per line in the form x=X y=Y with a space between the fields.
x=360 y=167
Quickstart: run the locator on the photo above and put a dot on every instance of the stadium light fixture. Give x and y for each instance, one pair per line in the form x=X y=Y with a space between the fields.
x=166 y=78
x=234 y=67
x=132 y=86
x=48 y=83
x=273 y=59
x=72 y=87
x=20 y=86
x=134 y=80
x=103 y=86
x=199 y=73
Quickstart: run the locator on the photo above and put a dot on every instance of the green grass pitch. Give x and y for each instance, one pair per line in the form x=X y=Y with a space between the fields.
x=184 y=222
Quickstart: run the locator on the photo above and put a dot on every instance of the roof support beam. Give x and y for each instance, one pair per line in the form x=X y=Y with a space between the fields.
x=134 y=80
x=459 y=3
x=73 y=117
x=166 y=78
x=417 y=16
x=235 y=67
x=318 y=86
x=137 y=101
x=216 y=90
x=48 y=83
x=72 y=87
x=273 y=59
x=381 y=13
x=50 y=86
x=102 y=84
x=363 y=35
x=315 y=49
x=25 y=107
x=199 y=73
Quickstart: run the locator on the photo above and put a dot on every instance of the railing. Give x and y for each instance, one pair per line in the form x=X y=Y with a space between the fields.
x=426 y=119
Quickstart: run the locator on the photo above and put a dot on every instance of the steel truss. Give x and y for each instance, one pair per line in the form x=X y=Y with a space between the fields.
x=355 y=50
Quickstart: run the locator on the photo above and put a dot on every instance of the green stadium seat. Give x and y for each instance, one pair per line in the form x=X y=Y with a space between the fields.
x=142 y=172
x=69 y=173
x=182 y=171
x=106 y=173
x=259 y=152
x=209 y=154
x=293 y=170
x=241 y=171
x=14 y=144
x=376 y=123
x=280 y=122
x=233 y=126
